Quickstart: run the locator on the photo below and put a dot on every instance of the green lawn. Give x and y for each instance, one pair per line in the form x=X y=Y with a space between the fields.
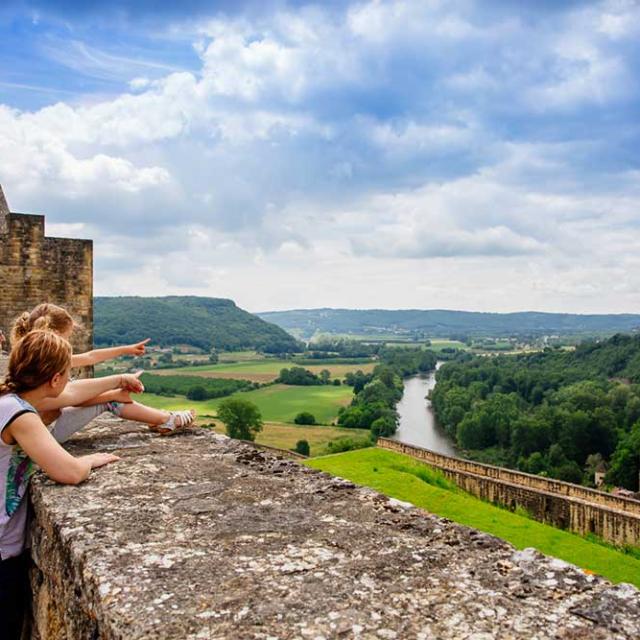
x=277 y=403
x=398 y=476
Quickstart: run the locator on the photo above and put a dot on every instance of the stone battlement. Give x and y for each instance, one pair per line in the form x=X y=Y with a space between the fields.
x=35 y=269
x=198 y=536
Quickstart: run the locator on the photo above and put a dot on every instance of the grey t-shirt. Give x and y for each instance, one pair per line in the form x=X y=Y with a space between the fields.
x=16 y=469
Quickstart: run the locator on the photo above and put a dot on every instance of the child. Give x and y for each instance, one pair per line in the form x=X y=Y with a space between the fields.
x=66 y=423
x=39 y=367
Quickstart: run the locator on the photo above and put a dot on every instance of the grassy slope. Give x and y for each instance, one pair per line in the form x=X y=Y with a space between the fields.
x=394 y=474
x=285 y=436
x=277 y=403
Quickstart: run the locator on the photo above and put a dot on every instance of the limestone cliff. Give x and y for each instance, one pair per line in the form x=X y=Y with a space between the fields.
x=200 y=537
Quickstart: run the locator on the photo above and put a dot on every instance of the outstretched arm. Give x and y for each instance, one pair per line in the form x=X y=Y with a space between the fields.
x=36 y=441
x=79 y=391
x=100 y=355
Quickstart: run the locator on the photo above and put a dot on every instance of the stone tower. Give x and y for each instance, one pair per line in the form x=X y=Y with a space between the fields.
x=34 y=269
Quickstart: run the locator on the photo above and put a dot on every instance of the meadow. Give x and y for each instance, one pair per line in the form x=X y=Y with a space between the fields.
x=277 y=403
x=438 y=344
x=265 y=370
x=285 y=436
x=401 y=477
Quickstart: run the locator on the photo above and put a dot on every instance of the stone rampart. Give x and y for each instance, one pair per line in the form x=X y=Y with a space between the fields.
x=200 y=537
x=35 y=268
x=550 y=501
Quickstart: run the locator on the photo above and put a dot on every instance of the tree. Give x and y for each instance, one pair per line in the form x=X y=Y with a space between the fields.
x=325 y=374
x=384 y=426
x=241 y=418
x=304 y=417
x=302 y=447
x=298 y=376
x=625 y=462
x=197 y=393
x=213 y=356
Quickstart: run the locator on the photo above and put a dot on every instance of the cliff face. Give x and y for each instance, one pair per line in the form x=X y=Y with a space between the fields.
x=198 y=536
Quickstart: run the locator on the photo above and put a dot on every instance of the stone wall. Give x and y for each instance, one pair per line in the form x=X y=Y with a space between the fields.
x=34 y=269
x=561 y=504
x=201 y=537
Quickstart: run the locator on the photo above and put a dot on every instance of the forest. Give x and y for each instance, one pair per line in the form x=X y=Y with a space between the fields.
x=560 y=413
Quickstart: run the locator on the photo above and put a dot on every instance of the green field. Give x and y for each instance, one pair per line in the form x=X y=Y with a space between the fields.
x=285 y=436
x=437 y=344
x=406 y=479
x=277 y=403
x=239 y=356
x=265 y=370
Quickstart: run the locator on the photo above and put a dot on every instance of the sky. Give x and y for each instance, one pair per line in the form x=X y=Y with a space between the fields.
x=455 y=154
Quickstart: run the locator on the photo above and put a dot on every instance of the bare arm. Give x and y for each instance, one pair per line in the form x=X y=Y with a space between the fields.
x=100 y=355
x=79 y=391
x=36 y=441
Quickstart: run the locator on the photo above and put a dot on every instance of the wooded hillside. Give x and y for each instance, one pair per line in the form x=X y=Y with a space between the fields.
x=200 y=322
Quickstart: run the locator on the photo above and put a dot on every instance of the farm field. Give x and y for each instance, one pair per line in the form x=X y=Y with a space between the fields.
x=437 y=344
x=277 y=403
x=285 y=436
x=406 y=479
x=265 y=370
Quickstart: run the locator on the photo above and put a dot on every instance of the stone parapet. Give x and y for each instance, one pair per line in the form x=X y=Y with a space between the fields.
x=561 y=504
x=549 y=485
x=199 y=537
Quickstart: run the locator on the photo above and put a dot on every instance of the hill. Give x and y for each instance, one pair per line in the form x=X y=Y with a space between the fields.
x=437 y=322
x=172 y=320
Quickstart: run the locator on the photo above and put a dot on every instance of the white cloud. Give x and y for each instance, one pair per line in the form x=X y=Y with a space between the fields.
x=386 y=154
x=293 y=56
x=410 y=136
x=31 y=156
x=581 y=74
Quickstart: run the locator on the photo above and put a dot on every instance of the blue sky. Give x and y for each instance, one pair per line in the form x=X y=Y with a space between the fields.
x=396 y=154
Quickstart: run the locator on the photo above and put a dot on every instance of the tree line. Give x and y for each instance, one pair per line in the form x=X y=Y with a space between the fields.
x=558 y=413
x=194 y=387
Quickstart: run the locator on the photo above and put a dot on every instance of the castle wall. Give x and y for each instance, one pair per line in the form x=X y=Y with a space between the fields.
x=202 y=537
x=561 y=504
x=35 y=269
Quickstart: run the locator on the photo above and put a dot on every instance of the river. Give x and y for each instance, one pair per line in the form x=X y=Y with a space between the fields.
x=417 y=425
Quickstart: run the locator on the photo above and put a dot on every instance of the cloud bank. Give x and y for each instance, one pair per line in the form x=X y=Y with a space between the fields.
x=409 y=153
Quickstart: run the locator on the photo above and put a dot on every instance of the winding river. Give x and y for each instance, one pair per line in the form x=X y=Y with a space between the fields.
x=417 y=424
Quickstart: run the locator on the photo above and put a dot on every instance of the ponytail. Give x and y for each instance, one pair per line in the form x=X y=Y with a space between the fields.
x=46 y=317
x=21 y=326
